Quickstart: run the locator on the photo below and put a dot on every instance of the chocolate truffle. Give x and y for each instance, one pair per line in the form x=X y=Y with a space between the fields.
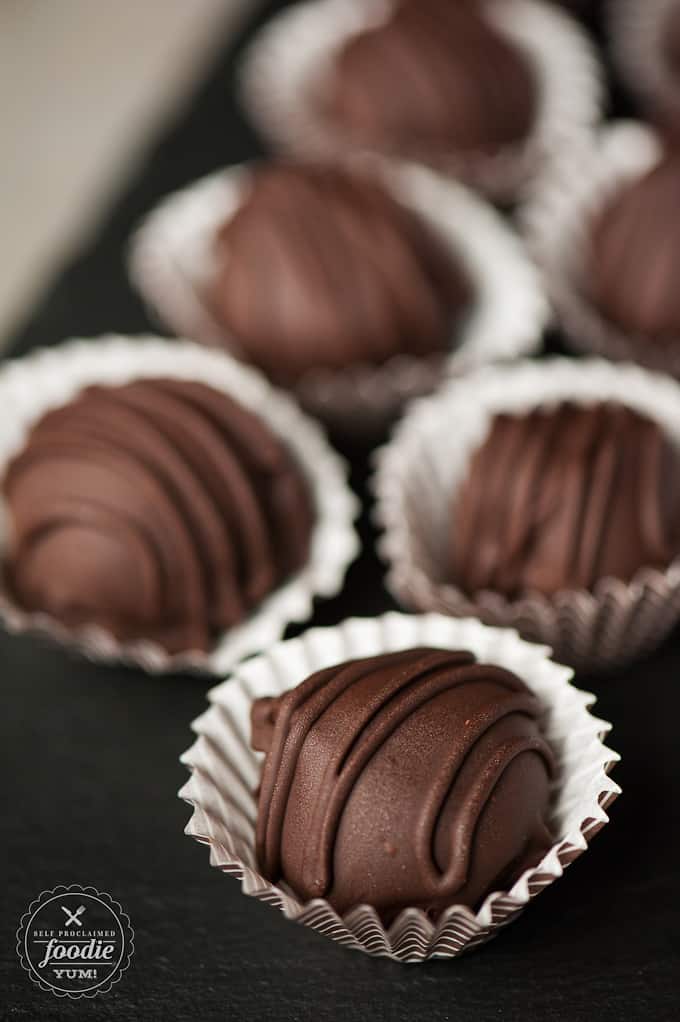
x=417 y=778
x=633 y=275
x=435 y=79
x=162 y=509
x=321 y=267
x=562 y=497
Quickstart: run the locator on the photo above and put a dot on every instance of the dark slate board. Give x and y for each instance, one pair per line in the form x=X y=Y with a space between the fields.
x=91 y=774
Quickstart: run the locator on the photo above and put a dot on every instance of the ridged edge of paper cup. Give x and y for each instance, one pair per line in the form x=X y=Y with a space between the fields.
x=427 y=458
x=225 y=772
x=51 y=377
x=295 y=49
x=557 y=228
x=171 y=259
x=635 y=30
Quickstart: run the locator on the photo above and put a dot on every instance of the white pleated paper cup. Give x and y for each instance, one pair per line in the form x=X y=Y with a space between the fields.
x=557 y=225
x=225 y=773
x=286 y=65
x=31 y=386
x=637 y=32
x=419 y=472
x=172 y=263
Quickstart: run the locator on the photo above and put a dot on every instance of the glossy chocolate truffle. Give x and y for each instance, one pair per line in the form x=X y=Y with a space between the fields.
x=436 y=79
x=162 y=509
x=417 y=778
x=634 y=273
x=323 y=268
x=563 y=497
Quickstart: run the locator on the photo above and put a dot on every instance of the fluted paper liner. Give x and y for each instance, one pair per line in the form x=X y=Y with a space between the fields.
x=225 y=772
x=419 y=471
x=286 y=64
x=637 y=30
x=172 y=260
x=558 y=227
x=49 y=378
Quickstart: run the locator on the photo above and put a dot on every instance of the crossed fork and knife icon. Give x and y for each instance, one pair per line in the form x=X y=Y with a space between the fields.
x=73 y=917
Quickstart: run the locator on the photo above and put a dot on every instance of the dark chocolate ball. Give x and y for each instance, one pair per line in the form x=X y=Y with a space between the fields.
x=562 y=497
x=322 y=268
x=633 y=275
x=417 y=778
x=162 y=509
x=435 y=79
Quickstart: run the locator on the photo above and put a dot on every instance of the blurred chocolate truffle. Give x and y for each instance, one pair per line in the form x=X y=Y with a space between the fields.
x=417 y=778
x=435 y=79
x=633 y=277
x=161 y=509
x=322 y=268
x=562 y=497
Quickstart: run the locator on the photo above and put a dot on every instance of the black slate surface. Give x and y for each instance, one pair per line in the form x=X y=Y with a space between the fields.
x=91 y=772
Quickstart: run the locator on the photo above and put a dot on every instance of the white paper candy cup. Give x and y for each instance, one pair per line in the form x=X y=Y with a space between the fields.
x=557 y=225
x=225 y=772
x=637 y=30
x=285 y=67
x=172 y=260
x=427 y=459
x=31 y=386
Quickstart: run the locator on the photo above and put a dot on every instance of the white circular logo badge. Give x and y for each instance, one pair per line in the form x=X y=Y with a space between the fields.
x=75 y=941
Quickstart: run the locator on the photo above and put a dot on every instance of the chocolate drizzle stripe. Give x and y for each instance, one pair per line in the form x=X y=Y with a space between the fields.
x=479 y=547
x=541 y=508
x=288 y=510
x=251 y=439
x=321 y=267
x=472 y=803
x=418 y=778
x=579 y=492
x=109 y=424
x=274 y=788
x=652 y=526
x=201 y=442
x=539 y=446
x=75 y=515
x=111 y=475
x=361 y=223
x=570 y=517
x=517 y=524
x=300 y=710
x=606 y=464
x=500 y=483
x=448 y=783
x=430 y=81
x=156 y=510
x=631 y=274
x=558 y=498
x=290 y=515
x=414 y=692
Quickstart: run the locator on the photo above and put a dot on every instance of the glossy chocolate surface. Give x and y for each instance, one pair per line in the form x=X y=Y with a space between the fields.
x=634 y=265
x=562 y=497
x=436 y=78
x=162 y=509
x=417 y=778
x=321 y=268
